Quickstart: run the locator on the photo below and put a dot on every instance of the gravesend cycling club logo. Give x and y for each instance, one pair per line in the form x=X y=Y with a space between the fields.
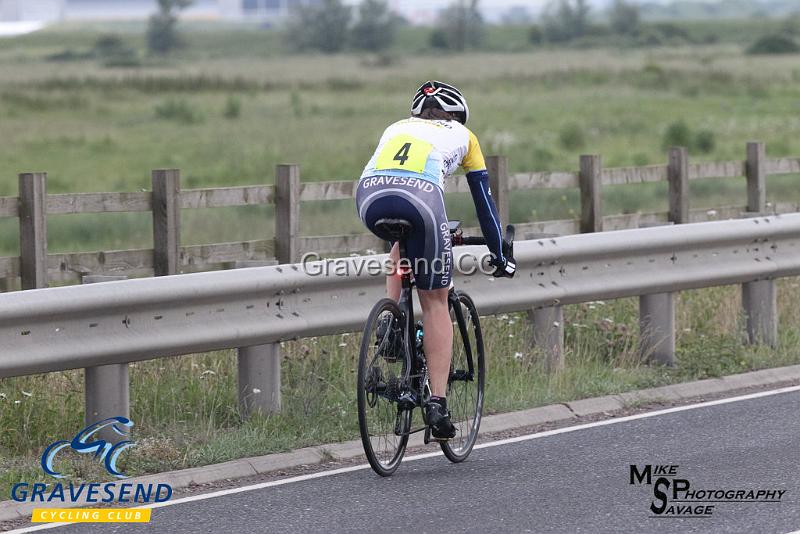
x=677 y=497
x=84 y=442
x=99 y=440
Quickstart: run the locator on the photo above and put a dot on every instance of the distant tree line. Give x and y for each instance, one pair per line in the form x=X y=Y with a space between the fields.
x=572 y=22
x=330 y=26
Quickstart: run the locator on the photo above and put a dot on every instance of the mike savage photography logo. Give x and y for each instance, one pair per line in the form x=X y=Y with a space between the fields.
x=105 y=451
x=675 y=496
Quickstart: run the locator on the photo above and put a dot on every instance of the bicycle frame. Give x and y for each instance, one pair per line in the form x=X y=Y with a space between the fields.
x=406 y=304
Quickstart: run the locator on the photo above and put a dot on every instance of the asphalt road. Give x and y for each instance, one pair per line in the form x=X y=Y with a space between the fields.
x=568 y=482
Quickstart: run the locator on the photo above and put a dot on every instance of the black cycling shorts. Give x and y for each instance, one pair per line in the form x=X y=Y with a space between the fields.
x=420 y=202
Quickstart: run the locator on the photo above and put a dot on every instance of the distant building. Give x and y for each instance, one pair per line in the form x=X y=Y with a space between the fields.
x=31 y=10
x=268 y=11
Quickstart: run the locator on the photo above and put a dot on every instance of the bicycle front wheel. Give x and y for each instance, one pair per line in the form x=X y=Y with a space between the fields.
x=467 y=377
x=383 y=367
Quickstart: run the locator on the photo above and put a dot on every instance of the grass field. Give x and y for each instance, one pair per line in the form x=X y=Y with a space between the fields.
x=95 y=128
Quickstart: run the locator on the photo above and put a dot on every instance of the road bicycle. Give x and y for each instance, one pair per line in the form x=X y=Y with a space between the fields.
x=393 y=375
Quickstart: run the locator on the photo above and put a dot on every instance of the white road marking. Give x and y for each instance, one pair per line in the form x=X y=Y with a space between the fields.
x=527 y=437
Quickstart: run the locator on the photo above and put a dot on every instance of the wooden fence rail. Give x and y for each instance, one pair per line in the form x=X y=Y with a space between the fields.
x=35 y=267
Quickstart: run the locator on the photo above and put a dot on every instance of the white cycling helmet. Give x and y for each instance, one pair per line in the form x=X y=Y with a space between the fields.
x=446 y=96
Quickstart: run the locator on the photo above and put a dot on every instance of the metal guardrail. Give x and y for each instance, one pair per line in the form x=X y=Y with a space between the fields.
x=62 y=328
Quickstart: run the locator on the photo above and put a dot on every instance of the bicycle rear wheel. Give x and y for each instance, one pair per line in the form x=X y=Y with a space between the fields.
x=467 y=377
x=383 y=367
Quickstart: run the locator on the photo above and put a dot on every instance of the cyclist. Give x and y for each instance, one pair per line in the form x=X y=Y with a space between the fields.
x=405 y=179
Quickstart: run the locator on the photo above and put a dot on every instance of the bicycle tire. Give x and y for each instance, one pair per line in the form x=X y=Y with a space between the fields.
x=375 y=407
x=465 y=395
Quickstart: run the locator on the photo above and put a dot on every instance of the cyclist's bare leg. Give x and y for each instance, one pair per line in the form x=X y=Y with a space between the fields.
x=393 y=282
x=438 y=339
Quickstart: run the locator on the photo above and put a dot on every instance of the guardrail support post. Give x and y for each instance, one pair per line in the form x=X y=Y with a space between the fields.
x=657 y=328
x=106 y=387
x=678 y=179
x=548 y=334
x=761 y=312
x=33 y=229
x=590 y=180
x=756 y=177
x=259 y=370
x=287 y=213
x=259 y=379
x=497 y=166
x=166 y=221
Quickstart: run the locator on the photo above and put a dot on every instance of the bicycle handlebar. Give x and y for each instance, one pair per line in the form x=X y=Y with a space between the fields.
x=459 y=239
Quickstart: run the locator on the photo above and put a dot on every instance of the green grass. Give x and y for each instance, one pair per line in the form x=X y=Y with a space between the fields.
x=99 y=129
x=186 y=412
x=94 y=128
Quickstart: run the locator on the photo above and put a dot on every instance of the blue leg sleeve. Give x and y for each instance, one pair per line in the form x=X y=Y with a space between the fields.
x=487 y=212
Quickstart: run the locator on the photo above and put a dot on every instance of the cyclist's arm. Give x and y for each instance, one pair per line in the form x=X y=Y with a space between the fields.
x=478 y=180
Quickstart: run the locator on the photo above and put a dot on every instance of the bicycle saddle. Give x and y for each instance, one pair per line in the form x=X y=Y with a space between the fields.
x=396 y=228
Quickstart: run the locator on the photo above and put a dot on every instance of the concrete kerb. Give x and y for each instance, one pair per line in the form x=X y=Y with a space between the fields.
x=246 y=467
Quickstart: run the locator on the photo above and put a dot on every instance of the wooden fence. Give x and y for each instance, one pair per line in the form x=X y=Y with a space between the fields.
x=35 y=267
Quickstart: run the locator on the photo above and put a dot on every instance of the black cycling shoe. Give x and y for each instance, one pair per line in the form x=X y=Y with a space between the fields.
x=438 y=418
x=390 y=345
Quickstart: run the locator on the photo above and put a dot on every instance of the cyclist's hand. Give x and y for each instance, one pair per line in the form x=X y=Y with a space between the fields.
x=504 y=267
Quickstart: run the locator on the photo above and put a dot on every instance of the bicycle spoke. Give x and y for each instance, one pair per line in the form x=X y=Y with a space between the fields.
x=465 y=389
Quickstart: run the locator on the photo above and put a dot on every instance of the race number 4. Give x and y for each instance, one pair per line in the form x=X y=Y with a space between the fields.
x=404 y=152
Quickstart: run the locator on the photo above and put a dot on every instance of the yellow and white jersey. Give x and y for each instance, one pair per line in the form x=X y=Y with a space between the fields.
x=428 y=149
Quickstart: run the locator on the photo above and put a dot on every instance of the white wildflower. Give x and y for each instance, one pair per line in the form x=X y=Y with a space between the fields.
x=517 y=356
x=256 y=391
x=711 y=213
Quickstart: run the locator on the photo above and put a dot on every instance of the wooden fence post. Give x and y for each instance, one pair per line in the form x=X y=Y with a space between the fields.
x=759 y=298
x=755 y=170
x=259 y=367
x=33 y=229
x=166 y=221
x=678 y=179
x=287 y=213
x=106 y=387
x=657 y=311
x=590 y=180
x=497 y=167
